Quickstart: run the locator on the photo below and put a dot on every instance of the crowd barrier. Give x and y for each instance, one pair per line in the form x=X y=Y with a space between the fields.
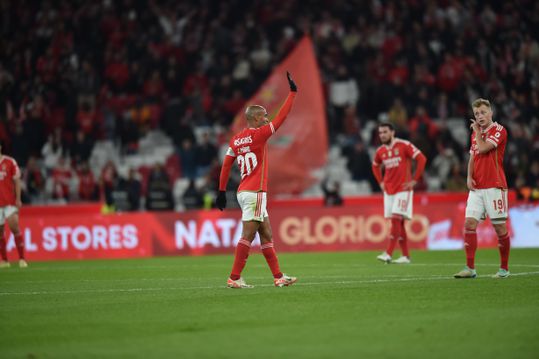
x=82 y=232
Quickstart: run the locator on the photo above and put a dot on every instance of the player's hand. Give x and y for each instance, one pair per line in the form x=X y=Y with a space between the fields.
x=408 y=186
x=220 y=202
x=291 y=82
x=18 y=203
x=470 y=183
x=475 y=126
x=382 y=187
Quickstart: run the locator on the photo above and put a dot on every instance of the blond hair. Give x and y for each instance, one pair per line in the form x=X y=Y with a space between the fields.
x=480 y=102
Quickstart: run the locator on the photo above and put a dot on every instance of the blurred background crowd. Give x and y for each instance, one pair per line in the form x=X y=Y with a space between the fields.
x=130 y=101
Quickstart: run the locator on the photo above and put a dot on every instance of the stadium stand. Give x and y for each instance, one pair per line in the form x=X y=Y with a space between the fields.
x=145 y=82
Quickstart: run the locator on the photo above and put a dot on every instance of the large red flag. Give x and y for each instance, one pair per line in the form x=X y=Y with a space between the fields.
x=300 y=145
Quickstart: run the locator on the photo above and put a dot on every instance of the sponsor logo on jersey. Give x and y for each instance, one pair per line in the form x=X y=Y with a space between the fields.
x=243 y=141
x=392 y=162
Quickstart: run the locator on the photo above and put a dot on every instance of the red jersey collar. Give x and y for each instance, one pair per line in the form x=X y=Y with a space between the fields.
x=489 y=127
x=392 y=144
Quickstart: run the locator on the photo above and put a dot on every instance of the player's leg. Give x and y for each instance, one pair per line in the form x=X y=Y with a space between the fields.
x=470 y=240
x=12 y=220
x=496 y=201
x=268 y=250
x=250 y=207
x=504 y=246
x=3 y=250
x=402 y=210
x=392 y=240
x=403 y=242
x=475 y=211
x=242 y=250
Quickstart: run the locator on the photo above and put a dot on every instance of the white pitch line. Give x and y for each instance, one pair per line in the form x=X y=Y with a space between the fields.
x=178 y=265
x=251 y=277
x=344 y=282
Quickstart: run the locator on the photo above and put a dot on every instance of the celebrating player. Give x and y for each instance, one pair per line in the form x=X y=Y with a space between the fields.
x=10 y=202
x=488 y=187
x=250 y=149
x=395 y=156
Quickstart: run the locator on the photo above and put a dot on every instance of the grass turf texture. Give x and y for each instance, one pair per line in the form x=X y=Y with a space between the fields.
x=344 y=305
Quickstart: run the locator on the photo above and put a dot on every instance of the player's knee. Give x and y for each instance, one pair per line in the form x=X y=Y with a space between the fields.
x=15 y=229
x=501 y=229
x=470 y=224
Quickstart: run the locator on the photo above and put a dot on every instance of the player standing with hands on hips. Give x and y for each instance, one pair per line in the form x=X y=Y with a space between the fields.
x=488 y=187
x=395 y=157
x=10 y=203
x=250 y=149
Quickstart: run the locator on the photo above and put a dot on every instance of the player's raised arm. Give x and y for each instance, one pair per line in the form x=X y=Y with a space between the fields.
x=287 y=106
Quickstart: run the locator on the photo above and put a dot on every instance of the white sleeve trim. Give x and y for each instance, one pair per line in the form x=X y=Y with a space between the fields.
x=230 y=152
x=272 y=127
x=492 y=141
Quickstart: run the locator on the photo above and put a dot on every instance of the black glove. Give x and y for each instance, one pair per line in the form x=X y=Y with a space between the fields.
x=220 y=202
x=291 y=82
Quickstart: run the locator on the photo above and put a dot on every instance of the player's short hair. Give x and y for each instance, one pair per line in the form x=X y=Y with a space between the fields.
x=480 y=102
x=386 y=124
x=251 y=111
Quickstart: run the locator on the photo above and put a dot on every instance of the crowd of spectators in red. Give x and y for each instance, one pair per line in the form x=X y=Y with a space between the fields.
x=75 y=72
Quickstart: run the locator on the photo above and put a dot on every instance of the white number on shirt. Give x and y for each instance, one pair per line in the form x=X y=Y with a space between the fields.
x=247 y=163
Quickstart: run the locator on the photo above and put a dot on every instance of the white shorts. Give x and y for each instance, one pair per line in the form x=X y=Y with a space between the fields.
x=399 y=203
x=253 y=206
x=489 y=201
x=6 y=212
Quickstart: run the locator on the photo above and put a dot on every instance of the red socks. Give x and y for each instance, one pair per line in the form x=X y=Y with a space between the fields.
x=271 y=258
x=395 y=234
x=404 y=241
x=19 y=243
x=240 y=258
x=504 y=246
x=3 y=251
x=470 y=244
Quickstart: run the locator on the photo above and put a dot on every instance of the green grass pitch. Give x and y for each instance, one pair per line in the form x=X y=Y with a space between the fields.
x=344 y=305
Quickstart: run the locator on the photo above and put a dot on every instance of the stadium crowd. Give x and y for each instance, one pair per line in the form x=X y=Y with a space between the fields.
x=76 y=72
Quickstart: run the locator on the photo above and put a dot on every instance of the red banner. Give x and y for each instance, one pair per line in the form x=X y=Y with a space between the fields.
x=84 y=237
x=300 y=146
x=436 y=225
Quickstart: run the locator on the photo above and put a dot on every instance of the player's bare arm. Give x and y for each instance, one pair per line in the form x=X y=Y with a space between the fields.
x=470 y=182
x=377 y=172
x=18 y=202
x=420 y=160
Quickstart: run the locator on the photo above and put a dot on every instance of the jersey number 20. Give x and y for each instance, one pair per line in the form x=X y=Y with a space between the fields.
x=247 y=163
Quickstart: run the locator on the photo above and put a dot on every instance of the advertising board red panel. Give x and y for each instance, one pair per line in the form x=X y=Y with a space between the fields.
x=436 y=225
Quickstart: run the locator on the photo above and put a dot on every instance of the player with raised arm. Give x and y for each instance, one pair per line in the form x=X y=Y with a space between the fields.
x=395 y=157
x=488 y=187
x=10 y=203
x=249 y=147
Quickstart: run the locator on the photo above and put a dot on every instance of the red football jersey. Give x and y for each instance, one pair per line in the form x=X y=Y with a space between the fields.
x=397 y=162
x=251 y=152
x=9 y=170
x=488 y=167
